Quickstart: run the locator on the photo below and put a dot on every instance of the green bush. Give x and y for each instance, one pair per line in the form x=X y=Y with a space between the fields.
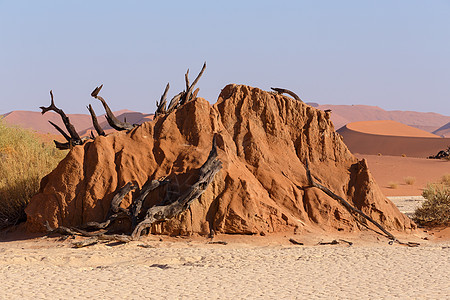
x=24 y=160
x=436 y=208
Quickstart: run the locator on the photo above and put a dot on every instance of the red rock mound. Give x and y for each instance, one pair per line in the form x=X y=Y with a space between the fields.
x=263 y=141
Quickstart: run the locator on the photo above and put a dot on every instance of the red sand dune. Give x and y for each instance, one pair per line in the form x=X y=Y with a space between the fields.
x=391 y=138
x=82 y=122
x=343 y=114
x=444 y=131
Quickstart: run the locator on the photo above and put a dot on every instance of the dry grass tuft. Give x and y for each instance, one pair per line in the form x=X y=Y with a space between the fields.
x=435 y=210
x=445 y=179
x=393 y=185
x=410 y=180
x=24 y=160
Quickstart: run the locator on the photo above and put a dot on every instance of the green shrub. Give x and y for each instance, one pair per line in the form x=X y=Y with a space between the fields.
x=24 y=160
x=436 y=208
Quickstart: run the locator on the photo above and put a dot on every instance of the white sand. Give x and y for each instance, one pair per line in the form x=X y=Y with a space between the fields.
x=44 y=269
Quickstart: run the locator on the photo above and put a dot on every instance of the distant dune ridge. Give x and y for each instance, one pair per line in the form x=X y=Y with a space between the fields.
x=443 y=131
x=344 y=114
x=340 y=116
x=82 y=122
x=391 y=138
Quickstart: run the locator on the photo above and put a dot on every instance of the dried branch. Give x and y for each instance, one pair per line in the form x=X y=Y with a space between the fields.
x=161 y=213
x=285 y=91
x=62 y=146
x=117 y=199
x=61 y=131
x=191 y=87
x=112 y=120
x=97 y=126
x=76 y=140
x=175 y=102
x=149 y=186
x=161 y=105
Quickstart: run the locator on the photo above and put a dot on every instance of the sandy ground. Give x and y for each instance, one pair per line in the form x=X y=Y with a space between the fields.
x=421 y=169
x=247 y=267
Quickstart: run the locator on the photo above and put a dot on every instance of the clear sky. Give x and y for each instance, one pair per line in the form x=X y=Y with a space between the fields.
x=391 y=53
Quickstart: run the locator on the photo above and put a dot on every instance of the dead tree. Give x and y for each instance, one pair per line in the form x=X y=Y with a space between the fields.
x=160 y=213
x=112 y=120
x=182 y=97
x=97 y=126
x=72 y=138
x=441 y=154
x=351 y=209
x=285 y=91
x=161 y=105
x=140 y=220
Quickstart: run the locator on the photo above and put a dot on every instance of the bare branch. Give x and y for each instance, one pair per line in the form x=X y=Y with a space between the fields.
x=112 y=120
x=70 y=128
x=161 y=105
x=285 y=91
x=191 y=87
x=60 y=130
x=97 y=126
x=161 y=213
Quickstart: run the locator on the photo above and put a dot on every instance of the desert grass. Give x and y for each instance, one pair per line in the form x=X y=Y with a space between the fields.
x=393 y=185
x=24 y=160
x=410 y=180
x=436 y=208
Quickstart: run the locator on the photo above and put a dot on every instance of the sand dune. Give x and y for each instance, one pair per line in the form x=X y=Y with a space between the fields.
x=343 y=114
x=443 y=131
x=82 y=122
x=391 y=138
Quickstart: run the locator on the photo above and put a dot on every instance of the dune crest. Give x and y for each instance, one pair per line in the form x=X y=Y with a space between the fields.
x=263 y=141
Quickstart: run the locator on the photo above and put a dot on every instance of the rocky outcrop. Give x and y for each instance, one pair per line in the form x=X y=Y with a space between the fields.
x=263 y=140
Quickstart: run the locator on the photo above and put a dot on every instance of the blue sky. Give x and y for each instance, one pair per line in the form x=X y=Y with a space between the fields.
x=393 y=54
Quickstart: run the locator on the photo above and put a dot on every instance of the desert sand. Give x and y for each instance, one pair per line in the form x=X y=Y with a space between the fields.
x=394 y=169
x=247 y=267
x=391 y=138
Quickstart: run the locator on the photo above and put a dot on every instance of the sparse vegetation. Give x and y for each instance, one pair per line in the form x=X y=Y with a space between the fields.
x=24 y=160
x=410 y=180
x=436 y=209
x=393 y=185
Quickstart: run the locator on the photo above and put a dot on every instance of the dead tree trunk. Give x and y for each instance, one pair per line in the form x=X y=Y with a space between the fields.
x=97 y=126
x=73 y=138
x=112 y=120
x=285 y=91
x=161 y=213
x=341 y=200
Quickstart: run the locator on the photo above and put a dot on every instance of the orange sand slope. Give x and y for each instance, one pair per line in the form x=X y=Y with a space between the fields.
x=444 y=131
x=391 y=138
x=394 y=169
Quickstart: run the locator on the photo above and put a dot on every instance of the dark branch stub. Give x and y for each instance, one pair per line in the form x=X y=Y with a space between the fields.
x=112 y=120
x=190 y=90
x=74 y=138
x=285 y=91
x=97 y=126
x=161 y=105
x=182 y=97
